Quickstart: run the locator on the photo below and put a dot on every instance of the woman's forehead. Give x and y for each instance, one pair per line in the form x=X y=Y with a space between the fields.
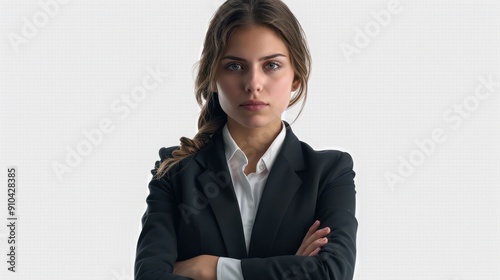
x=255 y=43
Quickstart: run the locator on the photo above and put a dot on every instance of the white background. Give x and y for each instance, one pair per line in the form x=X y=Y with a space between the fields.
x=442 y=221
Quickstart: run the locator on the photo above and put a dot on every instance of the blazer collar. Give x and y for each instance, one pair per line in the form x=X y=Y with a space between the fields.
x=281 y=185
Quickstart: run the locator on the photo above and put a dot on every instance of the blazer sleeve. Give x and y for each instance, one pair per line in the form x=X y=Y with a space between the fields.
x=336 y=260
x=157 y=245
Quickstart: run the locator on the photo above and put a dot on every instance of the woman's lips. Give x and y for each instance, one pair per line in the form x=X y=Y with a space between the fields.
x=254 y=107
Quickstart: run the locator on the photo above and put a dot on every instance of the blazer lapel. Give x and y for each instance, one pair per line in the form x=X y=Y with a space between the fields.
x=281 y=185
x=216 y=183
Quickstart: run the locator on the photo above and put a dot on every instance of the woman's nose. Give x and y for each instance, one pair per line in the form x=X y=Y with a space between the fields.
x=254 y=80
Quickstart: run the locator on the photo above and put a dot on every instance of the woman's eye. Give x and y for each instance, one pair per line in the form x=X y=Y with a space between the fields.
x=229 y=66
x=278 y=66
x=274 y=66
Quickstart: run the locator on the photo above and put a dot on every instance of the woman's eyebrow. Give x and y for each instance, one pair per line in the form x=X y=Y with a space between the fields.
x=260 y=59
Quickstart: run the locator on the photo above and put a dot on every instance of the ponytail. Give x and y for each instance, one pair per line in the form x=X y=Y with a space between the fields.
x=212 y=118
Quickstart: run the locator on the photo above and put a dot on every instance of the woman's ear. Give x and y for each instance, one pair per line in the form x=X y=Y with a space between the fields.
x=296 y=84
x=212 y=87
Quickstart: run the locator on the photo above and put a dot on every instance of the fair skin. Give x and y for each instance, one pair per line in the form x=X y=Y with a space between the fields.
x=255 y=66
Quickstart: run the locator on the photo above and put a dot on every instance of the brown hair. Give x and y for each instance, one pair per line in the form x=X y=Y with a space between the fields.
x=273 y=14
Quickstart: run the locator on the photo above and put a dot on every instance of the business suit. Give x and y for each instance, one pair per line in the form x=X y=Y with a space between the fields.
x=196 y=212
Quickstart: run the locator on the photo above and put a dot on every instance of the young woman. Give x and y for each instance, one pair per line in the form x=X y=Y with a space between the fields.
x=245 y=199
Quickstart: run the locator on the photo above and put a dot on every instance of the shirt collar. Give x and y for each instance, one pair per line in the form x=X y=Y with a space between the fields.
x=232 y=149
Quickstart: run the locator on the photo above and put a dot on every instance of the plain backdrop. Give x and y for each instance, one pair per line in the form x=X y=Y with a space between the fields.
x=413 y=97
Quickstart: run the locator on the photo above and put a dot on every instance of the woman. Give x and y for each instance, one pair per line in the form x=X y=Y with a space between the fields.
x=245 y=199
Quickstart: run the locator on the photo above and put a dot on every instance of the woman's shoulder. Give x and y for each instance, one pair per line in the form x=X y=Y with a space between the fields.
x=326 y=156
x=166 y=152
x=330 y=164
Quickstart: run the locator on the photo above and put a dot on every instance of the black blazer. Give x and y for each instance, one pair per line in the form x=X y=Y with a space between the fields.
x=193 y=210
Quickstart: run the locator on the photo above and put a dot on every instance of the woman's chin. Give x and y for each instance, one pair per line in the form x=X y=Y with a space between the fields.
x=257 y=122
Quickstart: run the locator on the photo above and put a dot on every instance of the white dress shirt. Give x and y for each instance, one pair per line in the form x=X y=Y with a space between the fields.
x=248 y=191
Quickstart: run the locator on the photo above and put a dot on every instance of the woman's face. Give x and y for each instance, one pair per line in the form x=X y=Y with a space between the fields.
x=255 y=66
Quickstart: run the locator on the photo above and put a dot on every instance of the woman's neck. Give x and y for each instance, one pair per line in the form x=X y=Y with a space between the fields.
x=254 y=142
